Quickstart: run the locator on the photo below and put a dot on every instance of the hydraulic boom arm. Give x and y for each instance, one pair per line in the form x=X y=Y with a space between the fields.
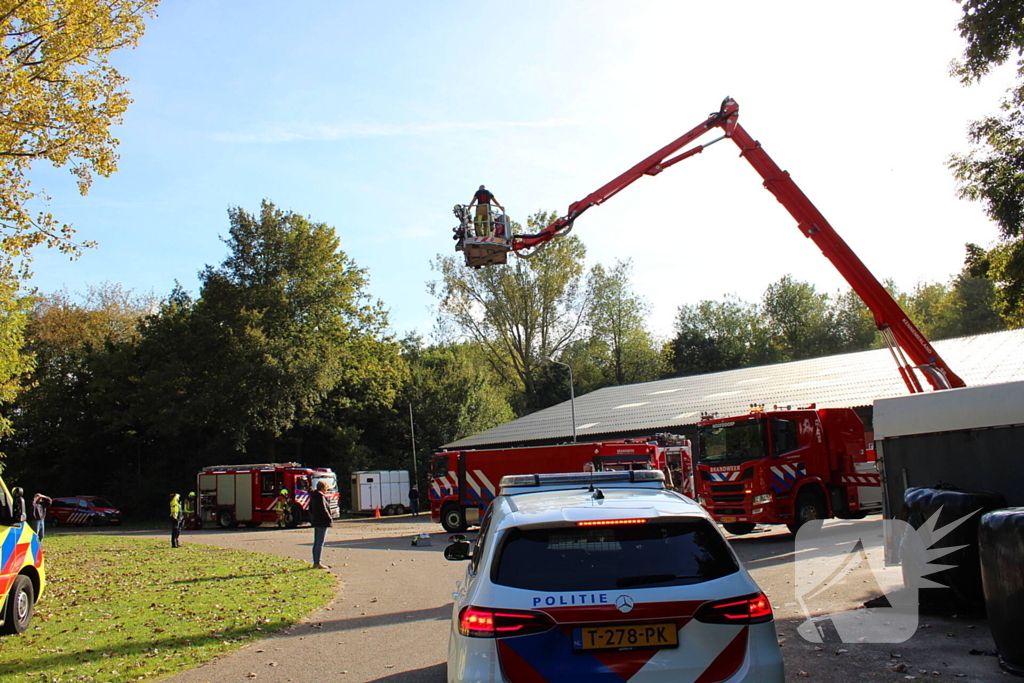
x=900 y=333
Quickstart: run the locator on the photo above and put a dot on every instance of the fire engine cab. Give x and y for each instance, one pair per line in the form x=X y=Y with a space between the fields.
x=785 y=466
x=230 y=495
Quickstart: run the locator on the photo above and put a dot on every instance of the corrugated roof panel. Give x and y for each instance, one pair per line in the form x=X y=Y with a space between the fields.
x=847 y=380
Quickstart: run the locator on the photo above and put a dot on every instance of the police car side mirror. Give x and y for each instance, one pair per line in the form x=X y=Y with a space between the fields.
x=14 y=512
x=458 y=551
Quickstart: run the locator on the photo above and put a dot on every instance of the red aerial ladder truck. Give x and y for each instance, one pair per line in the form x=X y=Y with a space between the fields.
x=908 y=346
x=783 y=465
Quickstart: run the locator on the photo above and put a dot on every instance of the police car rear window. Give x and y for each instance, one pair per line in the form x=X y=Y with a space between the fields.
x=655 y=554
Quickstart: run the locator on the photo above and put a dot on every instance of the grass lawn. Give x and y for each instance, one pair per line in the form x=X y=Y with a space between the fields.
x=124 y=609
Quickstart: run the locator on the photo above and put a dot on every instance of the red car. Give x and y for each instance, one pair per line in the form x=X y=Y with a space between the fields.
x=82 y=511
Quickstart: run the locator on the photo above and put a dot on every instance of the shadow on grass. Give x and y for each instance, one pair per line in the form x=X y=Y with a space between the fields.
x=139 y=649
x=230 y=577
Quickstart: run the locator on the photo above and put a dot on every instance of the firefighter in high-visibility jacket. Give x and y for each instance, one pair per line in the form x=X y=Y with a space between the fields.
x=281 y=508
x=189 y=509
x=175 y=520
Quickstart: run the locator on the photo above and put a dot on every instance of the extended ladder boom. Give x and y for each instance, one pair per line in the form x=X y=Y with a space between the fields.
x=904 y=339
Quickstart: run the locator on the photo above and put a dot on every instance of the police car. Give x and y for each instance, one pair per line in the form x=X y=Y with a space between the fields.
x=605 y=576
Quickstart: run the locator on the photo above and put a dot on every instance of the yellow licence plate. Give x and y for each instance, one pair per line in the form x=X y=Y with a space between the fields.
x=728 y=520
x=633 y=636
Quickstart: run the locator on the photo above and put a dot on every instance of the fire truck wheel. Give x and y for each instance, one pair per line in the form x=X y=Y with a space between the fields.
x=52 y=522
x=18 y=610
x=740 y=528
x=225 y=519
x=808 y=507
x=91 y=521
x=452 y=519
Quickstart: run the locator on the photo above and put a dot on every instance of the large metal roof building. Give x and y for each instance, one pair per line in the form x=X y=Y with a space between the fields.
x=852 y=380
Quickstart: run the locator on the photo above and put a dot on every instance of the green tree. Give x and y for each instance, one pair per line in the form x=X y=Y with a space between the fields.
x=518 y=312
x=800 y=318
x=290 y=326
x=619 y=340
x=993 y=172
x=970 y=305
x=60 y=440
x=718 y=335
x=925 y=305
x=853 y=324
x=453 y=393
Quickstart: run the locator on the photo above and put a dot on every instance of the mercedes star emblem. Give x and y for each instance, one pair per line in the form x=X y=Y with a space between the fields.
x=624 y=603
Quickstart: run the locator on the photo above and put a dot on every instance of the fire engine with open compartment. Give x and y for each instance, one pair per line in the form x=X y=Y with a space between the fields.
x=229 y=495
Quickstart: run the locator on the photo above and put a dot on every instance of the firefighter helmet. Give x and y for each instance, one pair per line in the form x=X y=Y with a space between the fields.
x=284 y=492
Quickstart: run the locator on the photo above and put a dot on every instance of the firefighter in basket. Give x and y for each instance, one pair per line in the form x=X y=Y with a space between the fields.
x=281 y=507
x=483 y=199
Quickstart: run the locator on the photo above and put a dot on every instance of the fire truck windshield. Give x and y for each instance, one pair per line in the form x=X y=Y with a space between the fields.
x=329 y=479
x=729 y=443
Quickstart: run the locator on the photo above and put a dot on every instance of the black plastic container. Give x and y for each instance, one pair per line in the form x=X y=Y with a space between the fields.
x=963 y=578
x=1001 y=546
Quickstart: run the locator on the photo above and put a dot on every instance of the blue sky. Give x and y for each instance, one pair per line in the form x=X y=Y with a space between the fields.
x=377 y=117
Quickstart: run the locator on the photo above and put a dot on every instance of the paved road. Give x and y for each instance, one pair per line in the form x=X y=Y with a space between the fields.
x=389 y=619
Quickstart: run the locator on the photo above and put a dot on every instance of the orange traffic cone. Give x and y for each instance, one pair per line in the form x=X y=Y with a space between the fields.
x=376 y=512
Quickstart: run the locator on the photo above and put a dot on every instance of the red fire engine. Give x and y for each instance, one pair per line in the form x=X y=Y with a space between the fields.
x=230 y=495
x=901 y=335
x=785 y=466
x=463 y=483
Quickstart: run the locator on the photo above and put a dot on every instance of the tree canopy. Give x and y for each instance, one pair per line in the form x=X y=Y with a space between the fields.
x=519 y=312
x=59 y=97
x=993 y=171
x=282 y=354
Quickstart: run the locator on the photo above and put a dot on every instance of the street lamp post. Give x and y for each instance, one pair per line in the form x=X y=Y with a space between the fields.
x=572 y=393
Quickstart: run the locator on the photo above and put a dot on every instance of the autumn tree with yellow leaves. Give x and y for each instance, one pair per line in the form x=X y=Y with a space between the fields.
x=59 y=97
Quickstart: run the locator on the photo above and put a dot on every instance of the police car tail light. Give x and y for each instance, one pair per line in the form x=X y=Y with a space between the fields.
x=749 y=609
x=611 y=522
x=483 y=622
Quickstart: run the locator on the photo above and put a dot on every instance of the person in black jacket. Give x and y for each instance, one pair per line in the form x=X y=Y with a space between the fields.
x=320 y=516
x=414 y=500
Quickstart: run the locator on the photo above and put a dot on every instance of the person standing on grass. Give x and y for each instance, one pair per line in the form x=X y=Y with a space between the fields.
x=175 y=520
x=320 y=516
x=37 y=513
